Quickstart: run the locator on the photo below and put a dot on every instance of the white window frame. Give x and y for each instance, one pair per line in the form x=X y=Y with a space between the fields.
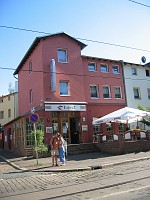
x=115 y=69
x=97 y=93
x=134 y=71
x=67 y=88
x=102 y=65
x=92 y=64
x=118 y=87
x=104 y=86
x=62 y=60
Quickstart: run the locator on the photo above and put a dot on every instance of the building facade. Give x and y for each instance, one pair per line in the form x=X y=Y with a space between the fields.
x=8 y=112
x=8 y=108
x=137 y=84
x=67 y=90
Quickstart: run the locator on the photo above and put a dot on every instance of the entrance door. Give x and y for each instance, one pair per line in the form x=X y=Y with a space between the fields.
x=74 y=131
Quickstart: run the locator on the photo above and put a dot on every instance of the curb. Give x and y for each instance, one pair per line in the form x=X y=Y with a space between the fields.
x=118 y=163
x=88 y=168
x=12 y=164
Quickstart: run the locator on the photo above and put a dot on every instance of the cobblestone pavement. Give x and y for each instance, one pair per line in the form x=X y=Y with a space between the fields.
x=4 y=167
x=21 y=182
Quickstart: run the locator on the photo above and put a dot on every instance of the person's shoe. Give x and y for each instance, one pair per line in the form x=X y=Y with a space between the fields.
x=57 y=165
x=52 y=165
x=62 y=164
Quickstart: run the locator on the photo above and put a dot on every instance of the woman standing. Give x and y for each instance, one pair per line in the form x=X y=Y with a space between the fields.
x=61 y=149
x=54 y=149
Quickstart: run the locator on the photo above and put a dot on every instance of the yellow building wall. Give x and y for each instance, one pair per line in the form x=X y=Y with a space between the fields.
x=9 y=107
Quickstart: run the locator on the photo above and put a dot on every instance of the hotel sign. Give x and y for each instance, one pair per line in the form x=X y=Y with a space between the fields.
x=65 y=107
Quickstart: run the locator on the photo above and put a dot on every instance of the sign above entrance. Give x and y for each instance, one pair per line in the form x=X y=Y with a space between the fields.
x=65 y=107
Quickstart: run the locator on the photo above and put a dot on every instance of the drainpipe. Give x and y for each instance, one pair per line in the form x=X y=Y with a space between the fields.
x=123 y=64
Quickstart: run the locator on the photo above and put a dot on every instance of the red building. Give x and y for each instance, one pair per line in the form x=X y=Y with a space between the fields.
x=66 y=89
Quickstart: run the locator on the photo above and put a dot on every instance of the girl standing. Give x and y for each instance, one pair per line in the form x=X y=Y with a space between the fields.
x=61 y=149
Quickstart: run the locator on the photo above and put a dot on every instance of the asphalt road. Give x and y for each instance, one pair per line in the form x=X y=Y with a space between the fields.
x=123 y=182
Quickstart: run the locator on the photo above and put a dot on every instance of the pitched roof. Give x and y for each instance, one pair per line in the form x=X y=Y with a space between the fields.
x=35 y=43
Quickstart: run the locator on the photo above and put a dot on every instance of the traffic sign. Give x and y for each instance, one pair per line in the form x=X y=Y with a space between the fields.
x=34 y=118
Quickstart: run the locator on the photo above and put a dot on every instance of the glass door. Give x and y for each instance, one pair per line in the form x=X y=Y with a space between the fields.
x=65 y=129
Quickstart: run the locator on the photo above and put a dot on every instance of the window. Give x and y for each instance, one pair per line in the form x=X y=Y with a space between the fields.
x=63 y=85
x=94 y=91
x=104 y=68
x=147 y=72
x=106 y=92
x=148 y=92
x=97 y=129
x=134 y=72
x=30 y=66
x=31 y=96
x=55 y=125
x=1 y=99
x=136 y=93
x=121 y=127
x=109 y=127
x=30 y=128
x=118 y=93
x=62 y=55
x=1 y=114
x=115 y=69
x=91 y=66
x=9 y=113
x=55 y=114
x=9 y=98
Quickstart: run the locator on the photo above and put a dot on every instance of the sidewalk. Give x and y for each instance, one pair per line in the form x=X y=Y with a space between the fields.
x=89 y=161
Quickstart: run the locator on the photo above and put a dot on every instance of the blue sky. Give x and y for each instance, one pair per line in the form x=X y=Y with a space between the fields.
x=112 y=21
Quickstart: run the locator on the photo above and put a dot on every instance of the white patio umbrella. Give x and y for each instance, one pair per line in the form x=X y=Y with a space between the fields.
x=123 y=115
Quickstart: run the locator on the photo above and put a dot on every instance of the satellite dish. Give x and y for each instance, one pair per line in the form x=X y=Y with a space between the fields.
x=143 y=59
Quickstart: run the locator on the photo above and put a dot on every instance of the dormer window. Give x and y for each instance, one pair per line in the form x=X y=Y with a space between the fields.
x=62 y=55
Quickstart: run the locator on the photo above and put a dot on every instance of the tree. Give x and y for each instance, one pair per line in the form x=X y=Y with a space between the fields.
x=39 y=137
x=140 y=107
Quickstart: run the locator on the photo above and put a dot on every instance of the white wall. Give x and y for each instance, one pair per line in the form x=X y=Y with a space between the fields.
x=141 y=81
x=137 y=81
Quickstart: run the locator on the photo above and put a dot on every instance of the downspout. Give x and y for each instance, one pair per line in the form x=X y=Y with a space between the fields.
x=123 y=64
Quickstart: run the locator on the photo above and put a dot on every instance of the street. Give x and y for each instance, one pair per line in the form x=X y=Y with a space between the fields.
x=127 y=181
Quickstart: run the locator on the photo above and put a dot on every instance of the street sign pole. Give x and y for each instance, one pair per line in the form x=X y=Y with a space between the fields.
x=35 y=143
x=34 y=118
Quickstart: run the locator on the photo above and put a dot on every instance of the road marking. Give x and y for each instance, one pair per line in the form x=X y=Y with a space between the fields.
x=117 y=193
x=131 y=190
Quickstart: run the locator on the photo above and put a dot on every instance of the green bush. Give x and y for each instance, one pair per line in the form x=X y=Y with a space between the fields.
x=42 y=149
x=39 y=137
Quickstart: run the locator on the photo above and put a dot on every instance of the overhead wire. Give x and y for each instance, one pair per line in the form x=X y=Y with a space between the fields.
x=84 y=39
x=139 y=3
x=74 y=74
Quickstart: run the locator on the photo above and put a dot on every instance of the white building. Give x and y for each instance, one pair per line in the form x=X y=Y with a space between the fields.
x=137 y=84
